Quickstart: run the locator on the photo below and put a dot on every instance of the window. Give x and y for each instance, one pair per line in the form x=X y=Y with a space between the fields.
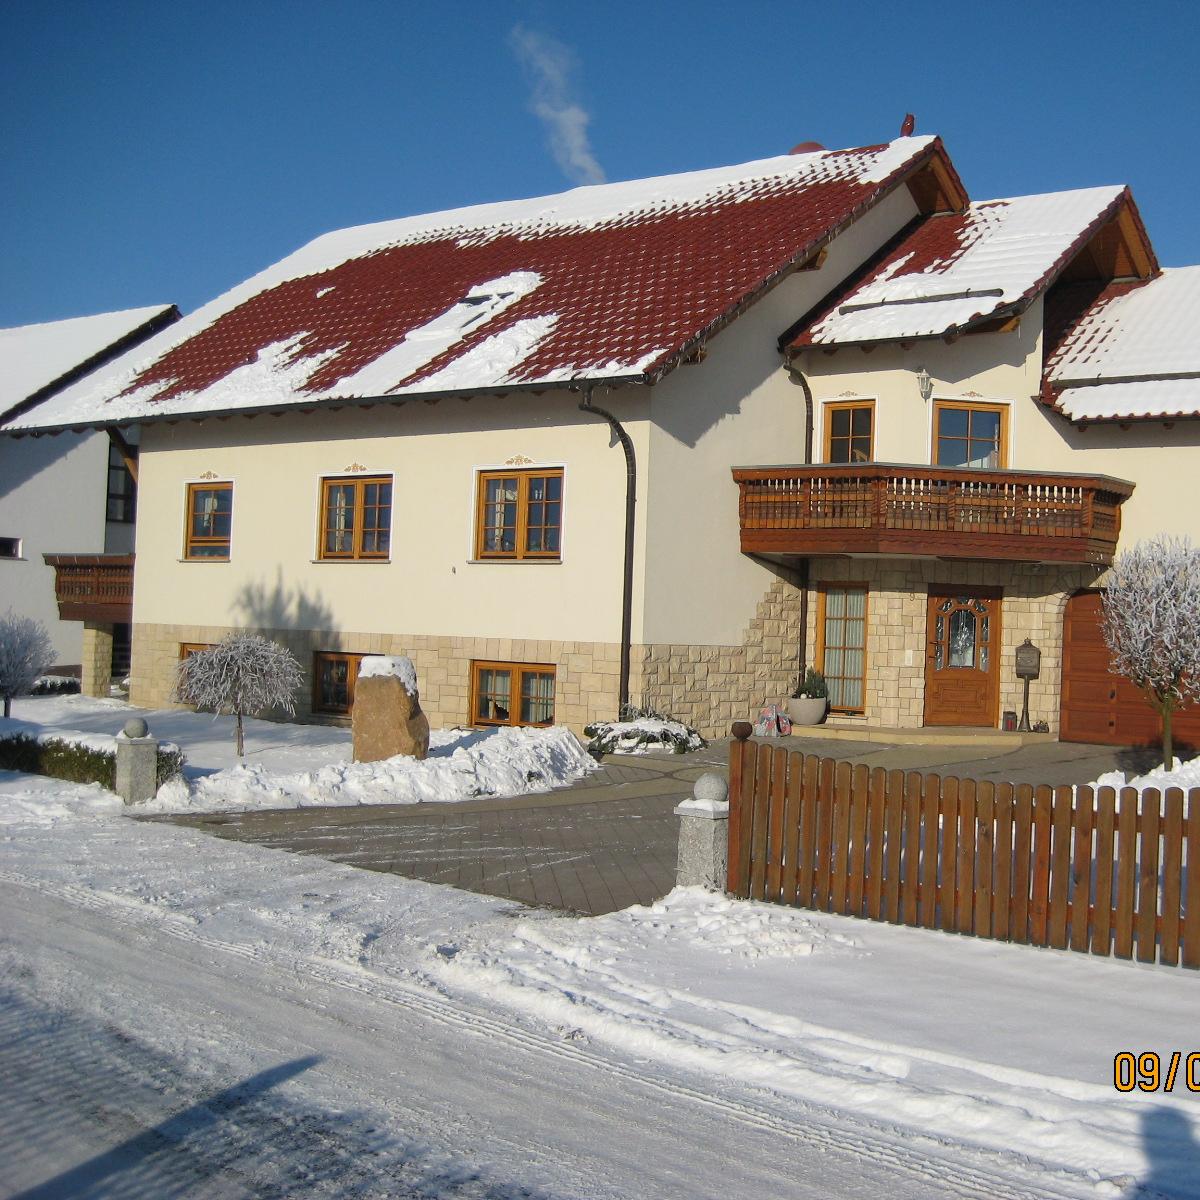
x=356 y=518
x=512 y=693
x=187 y=649
x=210 y=519
x=122 y=491
x=520 y=514
x=842 y=621
x=10 y=547
x=848 y=433
x=334 y=677
x=970 y=435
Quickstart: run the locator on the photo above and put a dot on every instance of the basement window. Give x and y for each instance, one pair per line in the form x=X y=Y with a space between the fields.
x=507 y=693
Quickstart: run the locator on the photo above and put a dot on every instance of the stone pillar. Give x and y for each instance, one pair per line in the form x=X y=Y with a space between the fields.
x=136 y=774
x=704 y=835
x=96 y=672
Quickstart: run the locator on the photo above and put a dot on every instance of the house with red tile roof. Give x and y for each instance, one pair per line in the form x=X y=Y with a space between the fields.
x=671 y=441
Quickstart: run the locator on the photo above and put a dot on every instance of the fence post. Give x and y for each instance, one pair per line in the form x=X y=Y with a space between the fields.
x=704 y=835
x=136 y=771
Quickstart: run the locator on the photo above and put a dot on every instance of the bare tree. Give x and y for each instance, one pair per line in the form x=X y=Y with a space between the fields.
x=25 y=653
x=242 y=675
x=1152 y=625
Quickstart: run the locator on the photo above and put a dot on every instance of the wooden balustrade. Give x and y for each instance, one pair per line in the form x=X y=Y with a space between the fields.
x=93 y=587
x=879 y=508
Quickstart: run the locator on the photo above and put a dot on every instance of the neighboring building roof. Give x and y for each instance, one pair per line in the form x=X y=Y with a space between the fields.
x=608 y=283
x=36 y=358
x=954 y=270
x=1133 y=354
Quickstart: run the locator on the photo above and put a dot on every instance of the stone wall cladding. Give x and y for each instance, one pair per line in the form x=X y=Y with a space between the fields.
x=95 y=672
x=709 y=687
x=1035 y=597
x=587 y=673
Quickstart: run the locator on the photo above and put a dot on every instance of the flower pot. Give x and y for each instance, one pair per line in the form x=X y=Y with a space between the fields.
x=807 y=710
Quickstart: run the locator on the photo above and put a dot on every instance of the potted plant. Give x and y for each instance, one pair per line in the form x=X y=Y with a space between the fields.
x=807 y=703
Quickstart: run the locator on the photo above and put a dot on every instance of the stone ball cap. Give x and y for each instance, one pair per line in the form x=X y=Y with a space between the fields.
x=135 y=727
x=711 y=786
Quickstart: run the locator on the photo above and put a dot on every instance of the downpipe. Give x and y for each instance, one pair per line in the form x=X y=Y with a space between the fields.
x=797 y=377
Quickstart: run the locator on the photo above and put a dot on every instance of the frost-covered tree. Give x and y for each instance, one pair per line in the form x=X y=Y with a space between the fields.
x=242 y=675
x=1152 y=624
x=25 y=653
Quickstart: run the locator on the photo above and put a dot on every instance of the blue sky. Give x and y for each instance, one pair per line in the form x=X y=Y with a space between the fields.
x=158 y=152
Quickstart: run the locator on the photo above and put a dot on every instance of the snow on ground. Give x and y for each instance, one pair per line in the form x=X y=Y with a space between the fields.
x=1002 y=1055
x=1182 y=775
x=290 y=766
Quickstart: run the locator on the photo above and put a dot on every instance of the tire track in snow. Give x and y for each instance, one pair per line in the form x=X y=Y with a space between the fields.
x=420 y=994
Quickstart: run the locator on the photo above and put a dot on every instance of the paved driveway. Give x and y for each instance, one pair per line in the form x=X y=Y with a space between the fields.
x=609 y=840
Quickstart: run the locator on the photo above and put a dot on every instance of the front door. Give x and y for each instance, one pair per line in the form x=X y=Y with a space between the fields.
x=962 y=656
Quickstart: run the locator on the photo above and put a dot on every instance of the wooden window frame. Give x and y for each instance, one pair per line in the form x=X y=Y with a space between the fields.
x=838 y=406
x=356 y=552
x=187 y=649
x=516 y=670
x=519 y=554
x=940 y=406
x=354 y=661
x=847 y=585
x=191 y=541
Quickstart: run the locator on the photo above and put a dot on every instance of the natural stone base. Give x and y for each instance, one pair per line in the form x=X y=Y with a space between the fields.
x=586 y=685
x=96 y=669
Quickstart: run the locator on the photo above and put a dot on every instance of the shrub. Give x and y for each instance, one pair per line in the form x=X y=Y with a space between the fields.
x=61 y=759
x=55 y=685
x=814 y=686
x=640 y=729
x=25 y=652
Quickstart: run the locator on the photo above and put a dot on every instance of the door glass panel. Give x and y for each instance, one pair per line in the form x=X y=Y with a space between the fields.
x=962 y=638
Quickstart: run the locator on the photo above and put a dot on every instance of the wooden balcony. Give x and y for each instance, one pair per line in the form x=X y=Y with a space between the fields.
x=884 y=508
x=93 y=587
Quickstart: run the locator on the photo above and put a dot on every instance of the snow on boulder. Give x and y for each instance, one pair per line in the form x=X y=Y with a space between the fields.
x=399 y=665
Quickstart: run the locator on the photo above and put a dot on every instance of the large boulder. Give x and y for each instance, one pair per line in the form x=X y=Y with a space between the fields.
x=387 y=710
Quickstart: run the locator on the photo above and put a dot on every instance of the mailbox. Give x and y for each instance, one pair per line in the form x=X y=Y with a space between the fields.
x=1029 y=660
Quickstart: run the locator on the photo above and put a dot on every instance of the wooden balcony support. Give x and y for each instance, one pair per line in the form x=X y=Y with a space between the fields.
x=884 y=508
x=93 y=587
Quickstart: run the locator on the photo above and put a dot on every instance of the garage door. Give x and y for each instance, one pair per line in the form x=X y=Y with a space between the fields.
x=1098 y=706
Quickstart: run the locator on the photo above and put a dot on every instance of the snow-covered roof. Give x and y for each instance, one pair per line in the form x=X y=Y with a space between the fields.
x=32 y=357
x=600 y=283
x=1135 y=353
x=956 y=269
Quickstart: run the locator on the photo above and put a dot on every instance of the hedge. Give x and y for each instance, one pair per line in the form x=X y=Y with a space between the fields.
x=80 y=764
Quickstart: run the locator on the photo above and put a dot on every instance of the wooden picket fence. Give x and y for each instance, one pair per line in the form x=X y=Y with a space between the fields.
x=1064 y=867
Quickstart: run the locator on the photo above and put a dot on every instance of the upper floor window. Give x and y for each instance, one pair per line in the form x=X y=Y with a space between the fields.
x=356 y=517
x=210 y=520
x=849 y=432
x=10 y=547
x=122 y=491
x=970 y=435
x=519 y=514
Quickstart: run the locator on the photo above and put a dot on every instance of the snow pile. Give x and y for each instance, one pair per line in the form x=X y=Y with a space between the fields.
x=390 y=664
x=642 y=735
x=462 y=765
x=1182 y=775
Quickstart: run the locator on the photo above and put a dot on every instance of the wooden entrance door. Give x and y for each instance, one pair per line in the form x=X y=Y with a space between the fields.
x=962 y=657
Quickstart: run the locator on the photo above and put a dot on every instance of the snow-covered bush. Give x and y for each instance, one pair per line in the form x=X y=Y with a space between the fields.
x=1151 y=619
x=639 y=730
x=55 y=685
x=25 y=653
x=242 y=675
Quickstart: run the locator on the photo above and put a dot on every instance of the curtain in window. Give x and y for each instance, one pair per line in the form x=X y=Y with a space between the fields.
x=845 y=646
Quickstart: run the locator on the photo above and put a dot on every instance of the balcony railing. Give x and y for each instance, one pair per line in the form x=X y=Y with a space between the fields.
x=880 y=508
x=93 y=587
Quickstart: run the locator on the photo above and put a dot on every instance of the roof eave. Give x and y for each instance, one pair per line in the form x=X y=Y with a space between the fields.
x=332 y=403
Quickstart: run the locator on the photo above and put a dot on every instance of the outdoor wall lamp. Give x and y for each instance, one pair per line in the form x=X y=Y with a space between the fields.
x=924 y=384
